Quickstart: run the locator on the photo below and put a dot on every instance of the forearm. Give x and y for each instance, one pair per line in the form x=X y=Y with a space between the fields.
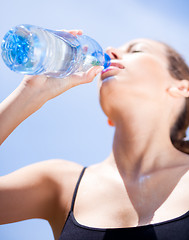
x=17 y=107
x=32 y=93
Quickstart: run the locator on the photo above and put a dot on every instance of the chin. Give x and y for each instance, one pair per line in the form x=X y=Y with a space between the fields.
x=110 y=78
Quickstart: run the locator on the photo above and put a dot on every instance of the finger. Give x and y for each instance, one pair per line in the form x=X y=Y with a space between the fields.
x=84 y=77
x=73 y=32
x=76 y=32
x=92 y=73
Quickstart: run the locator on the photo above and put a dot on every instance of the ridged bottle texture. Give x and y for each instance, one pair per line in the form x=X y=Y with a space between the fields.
x=34 y=50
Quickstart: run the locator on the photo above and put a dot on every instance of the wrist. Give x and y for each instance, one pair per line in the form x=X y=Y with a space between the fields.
x=33 y=91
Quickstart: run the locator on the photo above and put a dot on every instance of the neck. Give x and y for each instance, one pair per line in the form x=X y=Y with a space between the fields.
x=141 y=145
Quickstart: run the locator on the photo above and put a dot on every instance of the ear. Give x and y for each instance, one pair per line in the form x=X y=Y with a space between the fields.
x=180 y=89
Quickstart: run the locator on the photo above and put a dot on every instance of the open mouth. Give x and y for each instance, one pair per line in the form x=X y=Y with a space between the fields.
x=113 y=66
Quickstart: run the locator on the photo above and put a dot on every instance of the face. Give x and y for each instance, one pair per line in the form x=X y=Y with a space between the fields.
x=138 y=74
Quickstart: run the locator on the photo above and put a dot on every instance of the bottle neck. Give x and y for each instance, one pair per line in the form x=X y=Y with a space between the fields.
x=93 y=53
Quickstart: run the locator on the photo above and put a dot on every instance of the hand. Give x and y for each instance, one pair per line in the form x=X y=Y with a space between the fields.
x=51 y=87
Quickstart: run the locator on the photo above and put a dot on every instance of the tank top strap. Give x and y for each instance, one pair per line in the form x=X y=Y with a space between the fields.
x=76 y=188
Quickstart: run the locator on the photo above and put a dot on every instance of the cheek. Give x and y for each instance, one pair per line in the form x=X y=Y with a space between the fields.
x=147 y=73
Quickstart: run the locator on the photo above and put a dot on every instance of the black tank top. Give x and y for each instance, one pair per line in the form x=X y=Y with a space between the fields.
x=174 y=229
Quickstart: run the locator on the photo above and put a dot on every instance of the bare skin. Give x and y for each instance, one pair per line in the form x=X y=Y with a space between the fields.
x=144 y=180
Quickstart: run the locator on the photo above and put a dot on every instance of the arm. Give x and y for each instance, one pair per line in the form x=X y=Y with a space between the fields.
x=17 y=107
x=26 y=193
x=35 y=191
x=32 y=94
x=32 y=192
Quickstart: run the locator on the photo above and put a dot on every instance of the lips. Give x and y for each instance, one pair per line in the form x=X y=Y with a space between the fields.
x=118 y=65
x=113 y=66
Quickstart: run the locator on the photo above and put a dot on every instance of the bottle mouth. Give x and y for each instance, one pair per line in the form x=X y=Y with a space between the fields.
x=107 y=61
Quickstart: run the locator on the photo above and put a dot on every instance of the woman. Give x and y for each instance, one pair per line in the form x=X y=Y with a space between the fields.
x=141 y=189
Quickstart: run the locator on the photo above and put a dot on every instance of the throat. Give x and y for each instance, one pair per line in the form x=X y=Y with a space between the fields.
x=138 y=154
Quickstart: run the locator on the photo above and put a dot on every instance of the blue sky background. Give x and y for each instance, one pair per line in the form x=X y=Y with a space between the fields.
x=73 y=126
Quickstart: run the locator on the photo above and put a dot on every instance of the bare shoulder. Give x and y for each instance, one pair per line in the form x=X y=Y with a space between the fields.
x=42 y=190
x=58 y=165
x=61 y=172
x=58 y=173
x=52 y=169
x=181 y=174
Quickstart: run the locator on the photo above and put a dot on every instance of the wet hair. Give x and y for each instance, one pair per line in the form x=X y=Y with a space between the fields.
x=179 y=70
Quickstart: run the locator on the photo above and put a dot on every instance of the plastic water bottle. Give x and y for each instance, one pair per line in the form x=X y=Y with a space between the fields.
x=34 y=50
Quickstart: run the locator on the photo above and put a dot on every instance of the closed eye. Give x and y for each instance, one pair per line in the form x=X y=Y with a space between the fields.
x=135 y=51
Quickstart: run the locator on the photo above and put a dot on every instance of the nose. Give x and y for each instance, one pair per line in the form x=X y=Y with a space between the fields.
x=114 y=53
